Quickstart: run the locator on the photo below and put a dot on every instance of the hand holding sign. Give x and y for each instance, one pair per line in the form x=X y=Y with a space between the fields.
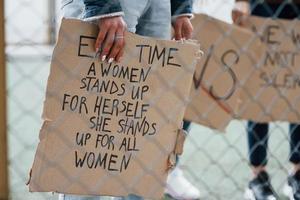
x=241 y=13
x=110 y=40
x=110 y=128
x=183 y=28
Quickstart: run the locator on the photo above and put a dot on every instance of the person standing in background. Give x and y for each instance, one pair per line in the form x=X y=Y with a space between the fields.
x=260 y=187
x=151 y=18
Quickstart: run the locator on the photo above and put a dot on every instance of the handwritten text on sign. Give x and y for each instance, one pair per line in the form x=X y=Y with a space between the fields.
x=248 y=74
x=131 y=113
x=112 y=123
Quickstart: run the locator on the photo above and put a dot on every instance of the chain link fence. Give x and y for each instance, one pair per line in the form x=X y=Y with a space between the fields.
x=29 y=43
x=215 y=162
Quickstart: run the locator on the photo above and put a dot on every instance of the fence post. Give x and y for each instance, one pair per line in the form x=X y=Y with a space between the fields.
x=3 y=140
x=51 y=22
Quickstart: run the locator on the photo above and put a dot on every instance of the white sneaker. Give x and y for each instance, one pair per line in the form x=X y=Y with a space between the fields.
x=288 y=191
x=178 y=187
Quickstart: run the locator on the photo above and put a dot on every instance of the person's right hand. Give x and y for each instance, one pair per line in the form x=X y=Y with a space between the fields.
x=110 y=40
x=240 y=13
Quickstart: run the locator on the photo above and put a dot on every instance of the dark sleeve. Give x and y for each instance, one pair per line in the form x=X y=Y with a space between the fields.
x=101 y=7
x=181 y=7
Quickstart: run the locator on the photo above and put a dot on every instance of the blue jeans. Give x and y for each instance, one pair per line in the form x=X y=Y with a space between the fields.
x=258 y=132
x=144 y=17
x=258 y=143
x=150 y=18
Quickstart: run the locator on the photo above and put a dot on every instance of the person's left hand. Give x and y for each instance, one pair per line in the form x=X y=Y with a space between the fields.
x=183 y=28
x=240 y=13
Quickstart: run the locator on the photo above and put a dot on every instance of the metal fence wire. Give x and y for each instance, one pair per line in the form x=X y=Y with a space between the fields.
x=216 y=163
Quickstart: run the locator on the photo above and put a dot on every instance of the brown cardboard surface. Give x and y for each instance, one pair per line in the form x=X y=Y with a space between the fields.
x=254 y=71
x=124 y=135
x=274 y=86
x=229 y=55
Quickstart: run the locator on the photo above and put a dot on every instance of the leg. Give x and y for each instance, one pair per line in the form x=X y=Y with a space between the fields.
x=260 y=186
x=186 y=125
x=258 y=145
x=292 y=188
x=295 y=146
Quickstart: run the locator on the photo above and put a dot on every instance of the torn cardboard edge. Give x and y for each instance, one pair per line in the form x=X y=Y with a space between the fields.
x=47 y=176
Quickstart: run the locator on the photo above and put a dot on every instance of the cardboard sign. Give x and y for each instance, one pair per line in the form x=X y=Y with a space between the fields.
x=230 y=52
x=273 y=89
x=109 y=129
x=251 y=74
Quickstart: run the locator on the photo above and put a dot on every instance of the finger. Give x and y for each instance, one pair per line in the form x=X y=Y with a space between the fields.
x=107 y=44
x=188 y=30
x=177 y=30
x=234 y=16
x=120 y=54
x=244 y=20
x=238 y=18
x=101 y=36
x=118 y=44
